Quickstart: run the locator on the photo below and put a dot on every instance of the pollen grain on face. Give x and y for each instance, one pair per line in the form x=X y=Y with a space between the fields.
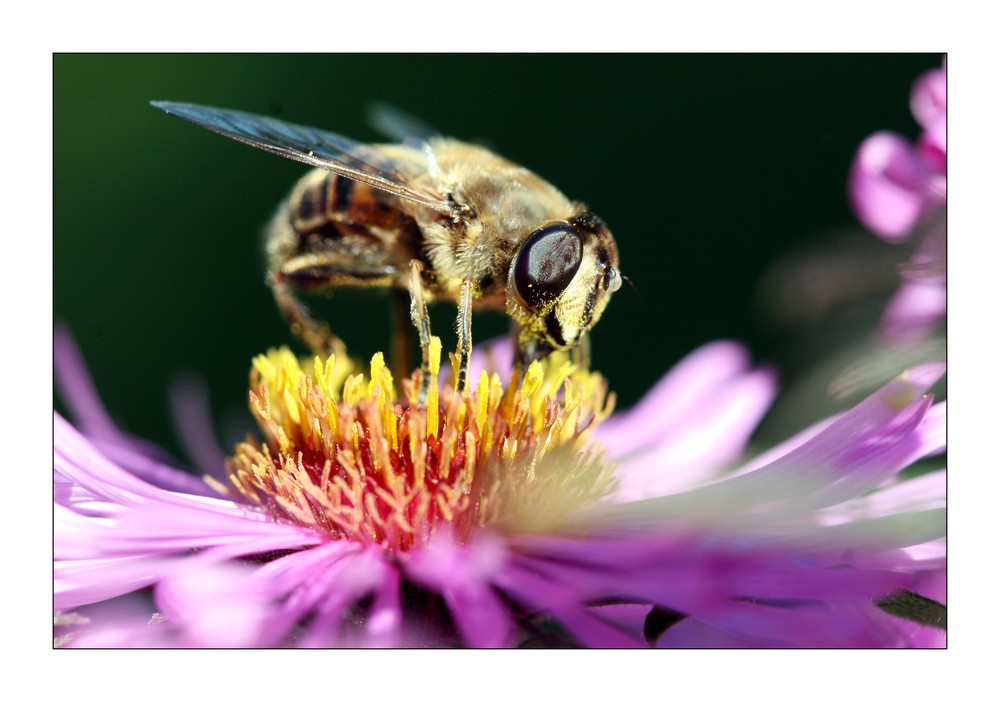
x=344 y=454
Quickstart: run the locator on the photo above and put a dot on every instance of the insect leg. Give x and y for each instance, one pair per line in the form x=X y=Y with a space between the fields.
x=422 y=321
x=463 y=325
x=315 y=335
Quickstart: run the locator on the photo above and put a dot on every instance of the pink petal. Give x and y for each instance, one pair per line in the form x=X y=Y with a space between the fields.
x=343 y=583
x=80 y=462
x=915 y=310
x=848 y=456
x=318 y=584
x=216 y=606
x=745 y=589
x=913 y=495
x=75 y=386
x=190 y=409
x=462 y=574
x=887 y=185
x=385 y=620
x=692 y=384
x=137 y=456
x=929 y=97
x=120 y=623
x=692 y=633
x=847 y=625
x=933 y=148
x=562 y=601
x=83 y=582
x=696 y=446
x=493 y=356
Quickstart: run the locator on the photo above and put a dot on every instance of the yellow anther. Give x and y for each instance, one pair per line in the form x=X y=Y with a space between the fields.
x=434 y=361
x=331 y=458
x=483 y=392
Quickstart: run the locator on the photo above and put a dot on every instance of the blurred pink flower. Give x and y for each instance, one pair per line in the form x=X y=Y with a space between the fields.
x=899 y=190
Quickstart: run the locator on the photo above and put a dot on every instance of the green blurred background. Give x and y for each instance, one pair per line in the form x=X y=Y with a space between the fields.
x=707 y=168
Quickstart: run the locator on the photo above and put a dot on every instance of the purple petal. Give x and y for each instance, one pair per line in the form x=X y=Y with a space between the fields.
x=78 y=461
x=216 y=606
x=913 y=495
x=879 y=542
x=928 y=99
x=165 y=529
x=887 y=185
x=190 y=408
x=563 y=602
x=733 y=585
x=850 y=455
x=696 y=446
x=462 y=574
x=126 y=453
x=493 y=356
x=341 y=584
x=120 y=623
x=318 y=584
x=696 y=571
x=929 y=556
x=857 y=624
x=75 y=386
x=693 y=633
x=147 y=460
x=98 y=560
x=694 y=384
x=209 y=601
x=385 y=620
x=78 y=583
x=914 y=310
x=933 y=148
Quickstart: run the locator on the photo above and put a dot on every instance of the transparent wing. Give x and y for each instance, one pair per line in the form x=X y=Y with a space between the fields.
x=311 y=146
x=399 y=125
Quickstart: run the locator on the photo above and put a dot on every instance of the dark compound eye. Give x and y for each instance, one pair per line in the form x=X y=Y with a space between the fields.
x=546 y=263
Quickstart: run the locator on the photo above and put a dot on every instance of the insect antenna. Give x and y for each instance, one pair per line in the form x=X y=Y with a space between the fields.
x=633 y=286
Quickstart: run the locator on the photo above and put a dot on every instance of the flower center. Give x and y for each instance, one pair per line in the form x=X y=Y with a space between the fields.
x=341 y=454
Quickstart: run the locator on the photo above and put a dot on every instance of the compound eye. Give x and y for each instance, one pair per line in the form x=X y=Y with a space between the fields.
x=546 y=263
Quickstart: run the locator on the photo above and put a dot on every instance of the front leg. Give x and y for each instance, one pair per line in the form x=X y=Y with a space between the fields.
x=422 y=321
x=463 y=326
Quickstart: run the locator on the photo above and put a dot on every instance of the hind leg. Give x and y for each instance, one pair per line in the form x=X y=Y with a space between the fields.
x=314 y=334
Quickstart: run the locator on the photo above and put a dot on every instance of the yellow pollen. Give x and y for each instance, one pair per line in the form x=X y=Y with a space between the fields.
x=343 y=454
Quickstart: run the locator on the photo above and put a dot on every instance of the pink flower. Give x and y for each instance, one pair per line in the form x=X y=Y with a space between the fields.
x=899 y=190
x=656 y=540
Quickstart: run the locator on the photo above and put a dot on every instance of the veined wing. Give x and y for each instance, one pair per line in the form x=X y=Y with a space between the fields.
x=311 y=146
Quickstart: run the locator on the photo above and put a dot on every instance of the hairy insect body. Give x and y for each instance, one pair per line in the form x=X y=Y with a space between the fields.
x=452 y=219
x=333 y=231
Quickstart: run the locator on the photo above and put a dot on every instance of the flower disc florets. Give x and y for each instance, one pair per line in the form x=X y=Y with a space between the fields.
x=341 y=454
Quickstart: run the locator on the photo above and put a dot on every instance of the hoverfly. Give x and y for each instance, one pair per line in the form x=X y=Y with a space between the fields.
x=446 y=219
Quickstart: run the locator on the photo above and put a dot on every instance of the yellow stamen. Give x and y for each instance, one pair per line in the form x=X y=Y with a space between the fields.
x=432 y=391
x=342 y=455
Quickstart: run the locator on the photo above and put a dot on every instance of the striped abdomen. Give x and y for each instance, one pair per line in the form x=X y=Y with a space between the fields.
x=343 y=232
